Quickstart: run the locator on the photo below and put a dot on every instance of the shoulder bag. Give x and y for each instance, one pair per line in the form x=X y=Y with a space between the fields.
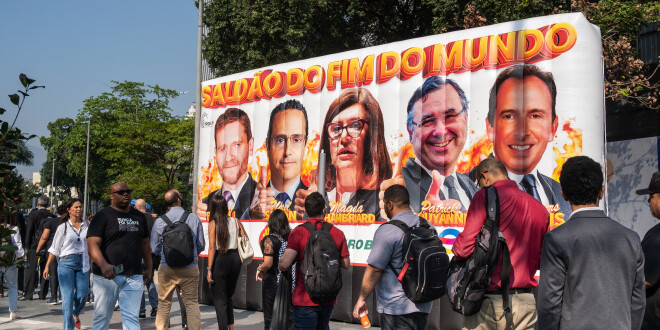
x=243 y=242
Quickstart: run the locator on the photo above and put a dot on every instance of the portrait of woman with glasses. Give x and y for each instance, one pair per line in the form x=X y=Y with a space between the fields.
x=353 y=138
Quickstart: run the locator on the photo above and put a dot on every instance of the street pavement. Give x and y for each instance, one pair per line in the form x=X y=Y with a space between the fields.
x=36 y=314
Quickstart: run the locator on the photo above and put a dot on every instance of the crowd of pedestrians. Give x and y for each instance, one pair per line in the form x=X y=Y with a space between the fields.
x=123 y=245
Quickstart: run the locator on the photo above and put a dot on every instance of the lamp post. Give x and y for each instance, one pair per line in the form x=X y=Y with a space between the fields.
x=86 y=171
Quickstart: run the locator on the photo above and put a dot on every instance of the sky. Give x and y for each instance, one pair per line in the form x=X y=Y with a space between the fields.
x=77 y=48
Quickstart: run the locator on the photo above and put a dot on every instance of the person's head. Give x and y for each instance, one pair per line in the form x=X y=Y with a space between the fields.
x=141 y=205
x=233 y=145
x=354 y=137
x=521 y=116
x=60 y=210
x=315 y=205
x=172 y=198
x=72 y=209
x=396 y=199
x=654 y=194
x=437 y=123
x=287 y=135
x=279 y=223
x=218 y=211
x=120 y=196
x=581 y=181
x=42 y=201
x=489 y=171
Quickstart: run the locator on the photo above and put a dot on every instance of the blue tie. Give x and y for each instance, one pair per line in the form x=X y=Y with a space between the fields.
x=529 y=183
x=282 y=197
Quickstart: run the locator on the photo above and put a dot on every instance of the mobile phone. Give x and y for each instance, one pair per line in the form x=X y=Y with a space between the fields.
x=118 y=269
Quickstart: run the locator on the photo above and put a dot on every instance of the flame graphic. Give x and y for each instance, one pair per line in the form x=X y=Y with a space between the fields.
x=472 y=156
x=572 y=148
x=209 y=180
x=406 y=151
x=311 y=160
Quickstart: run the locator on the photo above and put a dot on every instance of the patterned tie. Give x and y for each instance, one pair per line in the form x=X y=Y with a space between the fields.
x=282 y=197
x=227 y=195
x=451 y=189
x=529 y=183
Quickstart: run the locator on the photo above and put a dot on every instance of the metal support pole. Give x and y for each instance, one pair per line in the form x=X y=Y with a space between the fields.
x=198 y=103
x=85 y=203
x=52 y=187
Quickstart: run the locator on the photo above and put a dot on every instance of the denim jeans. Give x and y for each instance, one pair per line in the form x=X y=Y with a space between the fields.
x=126 y=288
x=153 y=297
x=11 y=281
x=312 y=317
x=74 y=285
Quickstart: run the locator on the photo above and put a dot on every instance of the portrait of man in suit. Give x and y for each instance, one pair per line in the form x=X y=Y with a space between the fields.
x=233 y=146
x=285 y=142
x=437 y=125
x=521 y=121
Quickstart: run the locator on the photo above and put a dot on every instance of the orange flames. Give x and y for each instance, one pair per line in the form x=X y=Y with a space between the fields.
x=311 y=160
x=472 y=156
x=572 y=148
x=209 y=180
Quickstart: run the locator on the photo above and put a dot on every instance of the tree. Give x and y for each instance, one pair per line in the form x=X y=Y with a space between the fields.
x=248 y=35
x=134 y=138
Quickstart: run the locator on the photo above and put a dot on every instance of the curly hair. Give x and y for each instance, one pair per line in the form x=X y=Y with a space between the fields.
x=581 y=180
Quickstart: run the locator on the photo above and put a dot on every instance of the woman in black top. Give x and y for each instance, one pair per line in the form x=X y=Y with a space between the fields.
x=272 y=247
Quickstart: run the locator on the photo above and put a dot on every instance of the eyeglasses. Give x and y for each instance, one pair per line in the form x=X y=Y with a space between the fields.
x=429 y=121
x=296 y=140
x=123 y=192
x=353 y=128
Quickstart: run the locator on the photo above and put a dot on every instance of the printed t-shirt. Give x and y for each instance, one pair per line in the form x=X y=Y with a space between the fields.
x=297 y=242
x=121 y=238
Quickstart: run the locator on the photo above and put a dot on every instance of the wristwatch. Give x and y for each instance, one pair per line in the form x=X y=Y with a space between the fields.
x=208 y=268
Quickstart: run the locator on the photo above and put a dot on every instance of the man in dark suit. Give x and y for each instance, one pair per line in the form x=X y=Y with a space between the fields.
x=285 y=142
x=592 y=267
x=33 y=233
x=437 y=125
x=521 y=122
x=233 y=146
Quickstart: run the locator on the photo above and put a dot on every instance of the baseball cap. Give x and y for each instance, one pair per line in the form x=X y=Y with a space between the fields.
x=654 y=185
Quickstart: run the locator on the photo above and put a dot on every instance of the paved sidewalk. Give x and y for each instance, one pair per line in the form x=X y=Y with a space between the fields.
x=36 y=314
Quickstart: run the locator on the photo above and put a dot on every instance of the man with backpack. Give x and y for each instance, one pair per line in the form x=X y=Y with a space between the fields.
x=523 y=221
x=386 y=263
x=320 y=250
x=178 y=237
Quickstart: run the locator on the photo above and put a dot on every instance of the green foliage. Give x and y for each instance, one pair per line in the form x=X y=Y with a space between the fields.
x=133 y=138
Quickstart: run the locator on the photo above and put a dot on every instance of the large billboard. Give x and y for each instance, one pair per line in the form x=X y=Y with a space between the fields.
x=421 y=112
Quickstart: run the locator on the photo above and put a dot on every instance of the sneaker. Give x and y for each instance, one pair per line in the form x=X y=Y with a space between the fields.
x=13 y=315
x=77 y=320
x=52 y=301
x=143 y=315
x=153 y=312
x=116 y=308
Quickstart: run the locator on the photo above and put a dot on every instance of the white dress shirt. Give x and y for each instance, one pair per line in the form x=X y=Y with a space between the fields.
x=74 y=242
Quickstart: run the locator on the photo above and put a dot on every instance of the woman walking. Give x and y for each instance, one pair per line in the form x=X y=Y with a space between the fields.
x=9 y=221
x=272 y=247
x=70 y=248
x=224 y=261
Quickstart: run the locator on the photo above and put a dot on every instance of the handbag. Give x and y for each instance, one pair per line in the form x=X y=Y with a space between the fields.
x=281 y=316
x=243 y=242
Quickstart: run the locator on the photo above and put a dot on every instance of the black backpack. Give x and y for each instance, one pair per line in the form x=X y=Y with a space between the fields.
x=425 y=262
x=178 y=245
x=469 y=277
x=321 y=269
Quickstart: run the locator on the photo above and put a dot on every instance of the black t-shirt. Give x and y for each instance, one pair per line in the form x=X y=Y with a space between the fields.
x=651 y=246
x=121 y=238
x=50 y=224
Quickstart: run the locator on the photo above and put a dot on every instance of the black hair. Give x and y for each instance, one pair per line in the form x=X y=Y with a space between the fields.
x=65 y=216
x=581 y=180
x=286 y=105
x=218 y=211
x=397 y=194
x=279 y=223
x=314 y=205
x=61 y=209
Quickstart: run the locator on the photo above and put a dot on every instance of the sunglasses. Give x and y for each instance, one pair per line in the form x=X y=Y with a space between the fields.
x=123 y=192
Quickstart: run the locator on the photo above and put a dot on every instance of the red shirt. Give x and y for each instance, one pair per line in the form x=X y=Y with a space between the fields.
x=523 y=222
x=297 y=242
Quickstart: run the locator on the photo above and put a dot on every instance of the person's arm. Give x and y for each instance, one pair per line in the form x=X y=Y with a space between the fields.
x=211 y=254
x=287 y=259
x=50 y=259
x=43 y=239
x=369 y=280
x=467 y=239
x=94 y=247
x=551 y=284
x=638 y=300
x=346 y=263
x=146 y=255
x=16 y=240
x=201 y=242
x=264 y=267
x=156 y=238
